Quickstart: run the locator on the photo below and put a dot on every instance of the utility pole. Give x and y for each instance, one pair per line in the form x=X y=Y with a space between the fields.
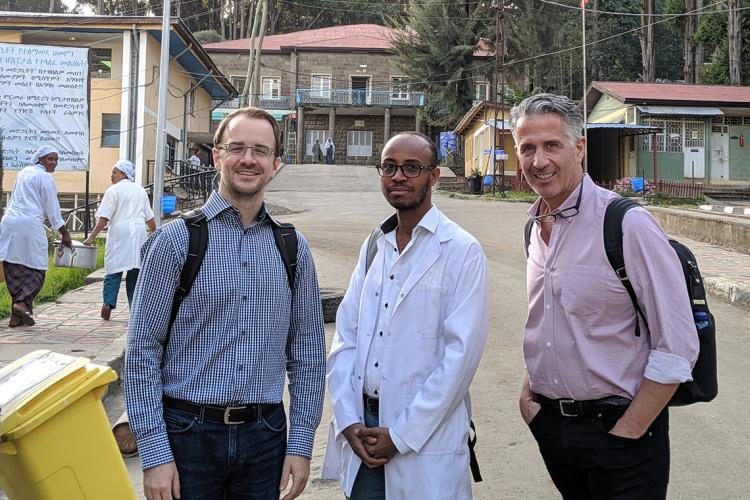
x=161 y=121
x=585 y=111
x=499 y=104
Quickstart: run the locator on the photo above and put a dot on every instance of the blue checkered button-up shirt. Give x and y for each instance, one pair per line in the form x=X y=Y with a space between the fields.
x=236 y=334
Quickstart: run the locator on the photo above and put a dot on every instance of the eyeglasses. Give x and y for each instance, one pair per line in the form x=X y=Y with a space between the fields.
x=565 y=213
x=238 y=149
x=409 y=169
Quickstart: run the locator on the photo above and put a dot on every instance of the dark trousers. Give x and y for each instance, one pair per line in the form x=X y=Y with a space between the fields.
x=111 y=286
x=370 y=483
x=586 y=462
x=227 y=462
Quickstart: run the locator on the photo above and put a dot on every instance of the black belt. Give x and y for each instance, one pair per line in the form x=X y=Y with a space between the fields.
x=230 y=415
x=573 y=408
x=371 y=404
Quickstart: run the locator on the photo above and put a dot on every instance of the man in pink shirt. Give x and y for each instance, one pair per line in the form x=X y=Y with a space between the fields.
x=596 y=394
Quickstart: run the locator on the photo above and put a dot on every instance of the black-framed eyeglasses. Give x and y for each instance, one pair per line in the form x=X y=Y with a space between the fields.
x=238 y=148
x=409 y=169
x=565 y=213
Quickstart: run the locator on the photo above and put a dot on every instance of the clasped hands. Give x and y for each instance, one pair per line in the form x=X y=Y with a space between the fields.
x=373 y=445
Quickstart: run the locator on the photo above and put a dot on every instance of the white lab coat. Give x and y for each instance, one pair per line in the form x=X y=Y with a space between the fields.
x=126 y=206
x=22 y=237
x=439 y=330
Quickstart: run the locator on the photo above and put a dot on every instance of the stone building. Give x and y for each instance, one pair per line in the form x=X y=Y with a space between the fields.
x=339 y=82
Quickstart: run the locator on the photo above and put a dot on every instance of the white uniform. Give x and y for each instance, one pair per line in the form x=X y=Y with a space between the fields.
x=22 y=237
x=126 y=206
x=434 y=316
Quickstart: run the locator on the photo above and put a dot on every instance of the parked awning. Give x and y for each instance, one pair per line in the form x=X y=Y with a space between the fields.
x=625 y=128
x=681 y=110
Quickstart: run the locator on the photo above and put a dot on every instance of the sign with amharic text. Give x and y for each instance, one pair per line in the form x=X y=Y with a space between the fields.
x=44 y=100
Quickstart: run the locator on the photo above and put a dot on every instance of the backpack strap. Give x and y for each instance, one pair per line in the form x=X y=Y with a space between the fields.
x=372 y=242
x=527 y=235
x=476 y=474
x=285 y=236
x=616 y=210
x=197 y=225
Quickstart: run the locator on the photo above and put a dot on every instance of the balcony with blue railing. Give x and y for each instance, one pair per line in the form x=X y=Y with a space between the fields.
x=282 y=102
x=349 y=97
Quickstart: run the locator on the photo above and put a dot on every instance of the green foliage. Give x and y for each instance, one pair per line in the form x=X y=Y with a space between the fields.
x=57 y=281
x=208 y=36
x=437 y=54
x=717 y=71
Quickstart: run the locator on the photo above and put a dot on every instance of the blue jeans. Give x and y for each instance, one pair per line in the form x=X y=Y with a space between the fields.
x=226 y=462
x=370 y=483
x=111 y=286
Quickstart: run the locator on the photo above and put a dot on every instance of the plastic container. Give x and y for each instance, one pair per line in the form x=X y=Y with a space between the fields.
x=168 y=203
x=701 y=319
x=55 y=440
x=488 y=180
x=636 y=183
x=79 y=255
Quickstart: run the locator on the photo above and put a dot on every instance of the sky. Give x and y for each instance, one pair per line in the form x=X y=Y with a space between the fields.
x=72 y=3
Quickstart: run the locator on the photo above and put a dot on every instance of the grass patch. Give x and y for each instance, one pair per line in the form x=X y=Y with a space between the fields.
x=515 y=196
x=57 y=281
x=661 y=200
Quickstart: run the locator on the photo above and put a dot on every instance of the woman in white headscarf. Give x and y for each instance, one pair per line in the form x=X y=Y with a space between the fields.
x=125 y=207
x=23 y=242
x=330 y=151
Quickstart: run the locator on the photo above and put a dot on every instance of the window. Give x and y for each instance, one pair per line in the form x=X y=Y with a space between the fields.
x=171 y=152
x=481 y=91
x=271 y=87
x=310 y=136
x=110 y=130
x=321 y=86
x=359 y=143
x=238 y=82
x=694 y=135
x=399 y=88
x=668 y=140
x=101 y=63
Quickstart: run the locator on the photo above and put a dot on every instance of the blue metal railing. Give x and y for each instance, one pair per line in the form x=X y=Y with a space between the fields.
x=349 y=97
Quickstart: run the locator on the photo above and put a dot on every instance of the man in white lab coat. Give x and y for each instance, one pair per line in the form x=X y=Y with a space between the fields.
x=410 y=333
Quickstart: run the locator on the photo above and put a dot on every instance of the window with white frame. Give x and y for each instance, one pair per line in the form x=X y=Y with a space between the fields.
x=271 y=87
x=311 y=136
x=321 y=86
x=481 y=91
x=399 y=88
x=110 y=130
x=695 y=135
x=672 y=136
x=359 y=143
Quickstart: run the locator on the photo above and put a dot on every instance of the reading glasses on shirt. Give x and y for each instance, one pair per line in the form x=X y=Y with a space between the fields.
x=409 y=169
x=238 y=149
x=565 y=213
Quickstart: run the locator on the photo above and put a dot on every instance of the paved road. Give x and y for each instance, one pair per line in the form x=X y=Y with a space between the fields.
x=336 y=207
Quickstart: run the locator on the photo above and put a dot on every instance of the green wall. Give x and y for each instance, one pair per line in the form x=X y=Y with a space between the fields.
x=670 y=165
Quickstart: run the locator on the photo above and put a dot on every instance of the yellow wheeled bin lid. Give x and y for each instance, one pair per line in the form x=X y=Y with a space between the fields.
x=55 y=439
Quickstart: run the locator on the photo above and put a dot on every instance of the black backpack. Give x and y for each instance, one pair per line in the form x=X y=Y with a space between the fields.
x=704 y=385
x=284 y=235
x=372 y=250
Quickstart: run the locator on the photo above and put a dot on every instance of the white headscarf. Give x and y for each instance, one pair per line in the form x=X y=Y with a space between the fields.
x=126 y=168
x=41 y=153
x=329 y=144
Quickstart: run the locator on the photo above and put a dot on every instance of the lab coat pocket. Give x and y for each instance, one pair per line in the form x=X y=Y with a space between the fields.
x=428 y=299
x=582 y=290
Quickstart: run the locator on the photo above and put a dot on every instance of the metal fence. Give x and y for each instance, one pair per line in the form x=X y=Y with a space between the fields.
x=349 y=97
x=282 y=102
x=676 y=189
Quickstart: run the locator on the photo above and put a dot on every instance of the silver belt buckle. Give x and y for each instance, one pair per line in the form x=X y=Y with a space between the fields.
x=562 y=409
x=226 y=415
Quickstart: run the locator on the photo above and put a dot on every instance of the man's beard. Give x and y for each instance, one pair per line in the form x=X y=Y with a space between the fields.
x=409 y=204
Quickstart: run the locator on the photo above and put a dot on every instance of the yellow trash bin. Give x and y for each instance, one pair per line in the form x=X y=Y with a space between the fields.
x=55 y=440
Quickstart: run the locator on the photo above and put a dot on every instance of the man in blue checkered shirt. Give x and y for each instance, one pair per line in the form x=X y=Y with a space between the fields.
x=206 y=408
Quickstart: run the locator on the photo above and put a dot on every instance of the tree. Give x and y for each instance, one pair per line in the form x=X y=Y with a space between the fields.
x=734 y=39
x=436 y=52
x=648 y=9
x=686 y=27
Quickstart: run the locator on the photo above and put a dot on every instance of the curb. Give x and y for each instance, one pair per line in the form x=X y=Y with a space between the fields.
x=728 y=291
x=726 y=209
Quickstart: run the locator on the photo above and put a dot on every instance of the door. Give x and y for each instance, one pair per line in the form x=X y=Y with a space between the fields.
x=359 y=89
x=720 y=152
x=694 y=150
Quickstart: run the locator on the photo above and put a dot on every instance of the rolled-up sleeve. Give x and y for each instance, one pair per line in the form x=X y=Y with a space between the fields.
x=656 y=274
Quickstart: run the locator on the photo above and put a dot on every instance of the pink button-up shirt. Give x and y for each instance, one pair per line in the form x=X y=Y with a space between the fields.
x=579 y=339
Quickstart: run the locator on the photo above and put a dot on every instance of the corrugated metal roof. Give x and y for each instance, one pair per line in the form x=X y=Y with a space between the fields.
x=681 y=110
x=635 y=92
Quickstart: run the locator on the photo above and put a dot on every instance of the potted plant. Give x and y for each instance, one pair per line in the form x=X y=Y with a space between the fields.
x=475 y=181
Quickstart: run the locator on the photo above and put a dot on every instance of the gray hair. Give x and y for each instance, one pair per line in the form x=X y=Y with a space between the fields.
x=540 y=104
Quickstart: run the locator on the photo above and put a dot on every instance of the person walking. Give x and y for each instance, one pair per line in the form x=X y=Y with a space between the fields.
x=204 y=393
x=410 y=333
x=126 y=209
x=330 y=151
x=317 y=152
x=598 y=383
x=24 y=249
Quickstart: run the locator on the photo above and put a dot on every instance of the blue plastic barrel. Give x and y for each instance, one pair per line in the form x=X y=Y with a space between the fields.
x=487 y=180
x=168 y=203
x=637 y=184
